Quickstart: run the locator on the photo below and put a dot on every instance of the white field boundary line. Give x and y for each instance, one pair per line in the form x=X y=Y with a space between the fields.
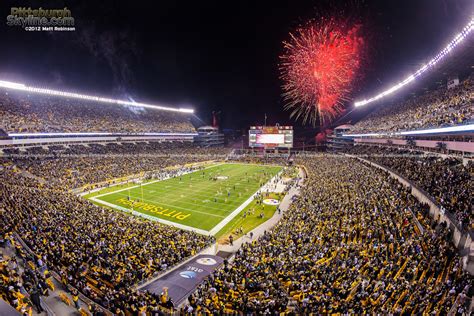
x=199 y=196
x=181 y=226
x=158 y=180
x=237 y=211
x=174 y=186
x=212 y=232
x=178 y=207
x=207 y=206
x=152 y=218
x=230 y=162
x=137 y=176
x=171 y=204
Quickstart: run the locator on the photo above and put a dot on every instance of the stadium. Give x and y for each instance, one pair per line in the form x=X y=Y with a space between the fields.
x=229 y=164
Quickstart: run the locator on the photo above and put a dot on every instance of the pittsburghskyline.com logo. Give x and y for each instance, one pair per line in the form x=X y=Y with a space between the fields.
x=41 y=19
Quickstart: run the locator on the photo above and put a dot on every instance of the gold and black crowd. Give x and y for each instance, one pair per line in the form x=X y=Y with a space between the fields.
x=354 y=241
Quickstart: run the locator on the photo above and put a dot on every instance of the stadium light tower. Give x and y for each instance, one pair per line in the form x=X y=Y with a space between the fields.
x=468 y=128
x=23 y=87
x=466 y=31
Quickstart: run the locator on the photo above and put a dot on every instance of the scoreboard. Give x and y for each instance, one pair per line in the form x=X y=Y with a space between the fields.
x=271 y=136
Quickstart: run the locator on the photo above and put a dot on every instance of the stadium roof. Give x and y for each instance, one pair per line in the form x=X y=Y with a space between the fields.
x=459 y=48
x=66 y=94
x=460 y=62
x=345 y=126
x=457 y=129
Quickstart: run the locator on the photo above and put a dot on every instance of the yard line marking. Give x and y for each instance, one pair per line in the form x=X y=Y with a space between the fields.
x=157 y=180
x=209 y=185
x=203 y=192
x=218 y=207
x=152 y=218
x=237 y=211
x=239 y=201
x=189 y=197
x=197 y=195
x=178 y=207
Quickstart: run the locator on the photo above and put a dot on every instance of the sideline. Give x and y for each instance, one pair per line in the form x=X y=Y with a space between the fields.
x=152 y=218
x=261 y=229
x=211 y=232
x=237 y=211
x=157 y=180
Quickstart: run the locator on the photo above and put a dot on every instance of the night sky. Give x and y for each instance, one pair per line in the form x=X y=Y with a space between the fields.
x=214 y=55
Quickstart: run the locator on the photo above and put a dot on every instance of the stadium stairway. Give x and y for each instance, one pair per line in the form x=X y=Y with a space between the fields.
x=59 y=301
x=52 y=304
x=260 y=230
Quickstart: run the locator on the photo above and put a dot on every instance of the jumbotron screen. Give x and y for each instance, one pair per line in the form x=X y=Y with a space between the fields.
x=271 y=136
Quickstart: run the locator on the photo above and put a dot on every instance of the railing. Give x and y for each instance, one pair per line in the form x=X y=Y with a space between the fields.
x=446 y=213
x=456 y=146
x=82 y=297
x=414 y=188
x=90 y=139
x=454 y=308
x=46 y=307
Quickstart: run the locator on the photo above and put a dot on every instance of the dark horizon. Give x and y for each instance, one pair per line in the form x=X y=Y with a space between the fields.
x=211 y=55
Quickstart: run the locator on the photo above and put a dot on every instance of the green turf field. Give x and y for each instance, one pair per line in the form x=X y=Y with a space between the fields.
x=193 y=200
x=248 y=222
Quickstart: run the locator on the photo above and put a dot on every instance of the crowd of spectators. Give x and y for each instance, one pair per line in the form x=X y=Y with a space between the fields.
x=22 y=113
x=12 y=288
x=78 y=165
x=22 y=281
x=441 y=107
x=279 y=159
x=447 y=180
x=101 y=252
x=354 y=242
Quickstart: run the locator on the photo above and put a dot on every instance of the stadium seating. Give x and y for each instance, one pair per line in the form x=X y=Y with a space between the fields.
x=32 y=114
x=11 y=280
x=441 y=107
x=447 y=180
x=350 y=244
x=78 y=165
x=101 y=252
x=354 y=241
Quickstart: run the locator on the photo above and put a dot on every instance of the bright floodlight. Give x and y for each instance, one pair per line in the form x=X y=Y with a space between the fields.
x=458 y=39
x=97 y=134
x=22 y=87
x=468 y=128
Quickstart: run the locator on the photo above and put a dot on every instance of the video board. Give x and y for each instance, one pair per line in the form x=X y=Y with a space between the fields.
x=271 y=136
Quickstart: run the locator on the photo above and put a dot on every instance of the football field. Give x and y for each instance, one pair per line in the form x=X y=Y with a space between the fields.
x=204 y=200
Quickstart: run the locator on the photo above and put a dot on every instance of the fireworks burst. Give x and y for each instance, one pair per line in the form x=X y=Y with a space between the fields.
x=319 y=66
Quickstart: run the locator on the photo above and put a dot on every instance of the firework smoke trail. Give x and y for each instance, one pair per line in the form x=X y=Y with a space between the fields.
x=318 y=69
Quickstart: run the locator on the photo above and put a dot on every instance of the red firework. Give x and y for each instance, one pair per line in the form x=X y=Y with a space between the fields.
x=319 y=67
